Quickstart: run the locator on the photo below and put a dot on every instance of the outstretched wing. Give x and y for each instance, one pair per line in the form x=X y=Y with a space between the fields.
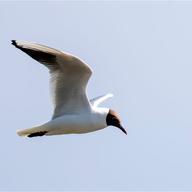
x=69 y=77
x=98 y=100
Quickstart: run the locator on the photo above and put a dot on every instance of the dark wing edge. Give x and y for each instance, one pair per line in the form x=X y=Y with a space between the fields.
x=46 y=58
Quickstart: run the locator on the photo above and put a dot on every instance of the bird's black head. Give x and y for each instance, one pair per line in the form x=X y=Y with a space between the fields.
x=113 y=119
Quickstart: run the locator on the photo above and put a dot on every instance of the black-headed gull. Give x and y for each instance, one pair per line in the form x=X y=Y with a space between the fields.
x=73 y=112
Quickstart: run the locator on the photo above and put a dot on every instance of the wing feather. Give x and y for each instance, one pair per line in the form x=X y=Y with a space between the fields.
x=69 y=77
x=98 y=100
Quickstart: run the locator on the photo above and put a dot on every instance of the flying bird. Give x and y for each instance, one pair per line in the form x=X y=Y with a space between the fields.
x=73 y=112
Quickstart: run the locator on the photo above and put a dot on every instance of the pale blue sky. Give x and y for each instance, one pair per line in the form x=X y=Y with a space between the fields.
x=139 y=51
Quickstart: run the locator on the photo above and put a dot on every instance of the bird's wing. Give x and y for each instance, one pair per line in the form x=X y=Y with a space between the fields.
x=69 y=77
x=98 y=100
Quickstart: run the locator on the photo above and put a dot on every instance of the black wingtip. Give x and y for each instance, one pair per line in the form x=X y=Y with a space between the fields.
x=13 y=42
x=37 y=134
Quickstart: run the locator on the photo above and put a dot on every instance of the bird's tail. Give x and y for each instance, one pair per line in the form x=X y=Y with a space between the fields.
x=32 y=132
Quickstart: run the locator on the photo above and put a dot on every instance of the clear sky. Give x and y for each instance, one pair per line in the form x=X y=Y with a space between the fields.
x=139 y=51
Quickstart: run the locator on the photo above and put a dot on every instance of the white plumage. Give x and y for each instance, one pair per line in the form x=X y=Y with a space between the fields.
x=73 y=112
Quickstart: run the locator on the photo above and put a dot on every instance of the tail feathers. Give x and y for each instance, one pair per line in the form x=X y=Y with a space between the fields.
x=32 y=132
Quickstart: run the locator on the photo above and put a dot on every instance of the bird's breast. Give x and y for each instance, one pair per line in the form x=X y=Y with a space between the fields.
x=67 y=124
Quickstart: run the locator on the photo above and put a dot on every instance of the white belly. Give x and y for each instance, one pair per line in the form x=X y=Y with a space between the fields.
x=67 y=124
x=73 y=124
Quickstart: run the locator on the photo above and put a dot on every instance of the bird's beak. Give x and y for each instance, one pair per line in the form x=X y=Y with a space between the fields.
x=122 y=129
